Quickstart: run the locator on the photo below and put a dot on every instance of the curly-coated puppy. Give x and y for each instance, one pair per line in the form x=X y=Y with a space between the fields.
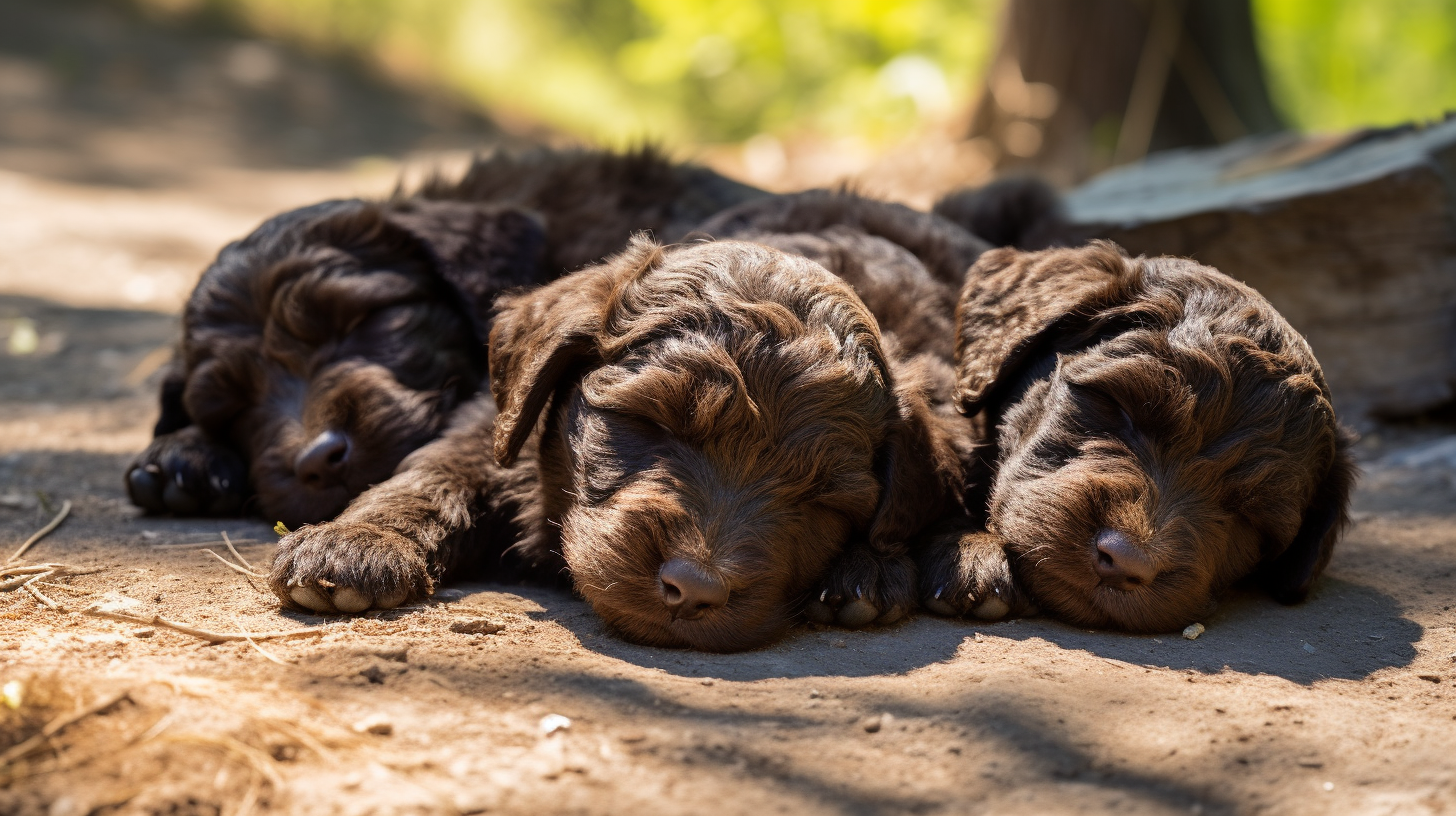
x=323 y=348
x=722 y=425
x=1156 y=432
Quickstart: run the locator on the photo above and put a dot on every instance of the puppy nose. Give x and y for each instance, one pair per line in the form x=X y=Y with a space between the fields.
x=321 y=463
x=688 y=590
x=1122 y=564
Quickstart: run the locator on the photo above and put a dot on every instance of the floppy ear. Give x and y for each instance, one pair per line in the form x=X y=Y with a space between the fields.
x=918 y=470
x=540 y=335
x=1012 y=299
x=1289 y=575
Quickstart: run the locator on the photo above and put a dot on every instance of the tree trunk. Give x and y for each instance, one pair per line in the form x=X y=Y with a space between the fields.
x=1079 y=85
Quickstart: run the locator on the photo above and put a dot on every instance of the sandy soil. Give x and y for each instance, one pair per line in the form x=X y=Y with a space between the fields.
x=1344 y=704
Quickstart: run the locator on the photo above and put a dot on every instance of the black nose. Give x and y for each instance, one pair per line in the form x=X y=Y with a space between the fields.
x=321 y=463
x=1122 y=564
x=688 y=590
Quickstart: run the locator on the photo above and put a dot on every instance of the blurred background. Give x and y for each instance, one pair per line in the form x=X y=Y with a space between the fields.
x=167 y=127
x=781 y=92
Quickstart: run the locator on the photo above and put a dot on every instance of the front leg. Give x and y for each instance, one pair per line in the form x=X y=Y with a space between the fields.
x=968 y=573
x=398 y=539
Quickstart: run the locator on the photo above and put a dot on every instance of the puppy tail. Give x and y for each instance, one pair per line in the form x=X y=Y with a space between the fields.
x=1023 y=212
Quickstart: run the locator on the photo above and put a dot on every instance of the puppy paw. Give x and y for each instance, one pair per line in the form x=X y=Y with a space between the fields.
x=864 y=587
x=187 y=474
x=969 y=574
x=348 y=567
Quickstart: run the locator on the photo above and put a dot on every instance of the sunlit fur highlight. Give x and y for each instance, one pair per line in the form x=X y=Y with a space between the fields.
x=730 y=405
x=1179 y=409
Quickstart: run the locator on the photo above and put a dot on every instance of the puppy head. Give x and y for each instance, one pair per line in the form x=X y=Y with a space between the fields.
x=723 y=421
x=1162 y=433
x=337 y=339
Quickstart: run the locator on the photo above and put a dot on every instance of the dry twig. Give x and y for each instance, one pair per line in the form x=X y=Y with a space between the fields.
x=12 y=578
x=264 y=652
x=41 y=596
x=230 y=565
x=202 y=634
x=236 y=554
x=42 y=532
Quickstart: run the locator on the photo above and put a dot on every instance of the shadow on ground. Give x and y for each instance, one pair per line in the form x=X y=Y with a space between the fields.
x=121 y=93
x=1346 y=631
x=52 y=353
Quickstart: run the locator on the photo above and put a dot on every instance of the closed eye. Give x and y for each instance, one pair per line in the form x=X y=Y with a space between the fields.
x=1101 y=410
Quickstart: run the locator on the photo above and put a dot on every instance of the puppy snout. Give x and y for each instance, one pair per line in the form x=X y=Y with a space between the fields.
x=689 y=591
x=323 y=461
x=1121 y=564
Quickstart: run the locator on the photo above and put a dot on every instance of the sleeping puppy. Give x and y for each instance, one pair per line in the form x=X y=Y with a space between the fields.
x=1156 y=432
x=726 y=430
x=322 y=349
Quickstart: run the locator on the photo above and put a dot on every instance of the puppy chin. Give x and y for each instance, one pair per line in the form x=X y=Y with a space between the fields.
x=638 y=616
x=717 y=633
x=1072 y=591
x=294 y=504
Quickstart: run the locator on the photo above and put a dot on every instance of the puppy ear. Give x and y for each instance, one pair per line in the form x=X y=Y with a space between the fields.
x=918 y=470
x=480 y=249
x=1012 y=299
x=1289 y=575
x=540 y=335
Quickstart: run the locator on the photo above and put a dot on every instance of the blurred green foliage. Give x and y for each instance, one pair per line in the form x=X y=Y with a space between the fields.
x=704 y=71
x=681 y=71
x=1337 y=64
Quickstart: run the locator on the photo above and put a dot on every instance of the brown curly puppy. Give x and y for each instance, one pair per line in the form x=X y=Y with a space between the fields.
x=336 y=339
x=1156 y=432
x=727 y=429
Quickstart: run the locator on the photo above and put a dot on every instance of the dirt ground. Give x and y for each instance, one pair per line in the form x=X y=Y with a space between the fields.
x=1344 y=704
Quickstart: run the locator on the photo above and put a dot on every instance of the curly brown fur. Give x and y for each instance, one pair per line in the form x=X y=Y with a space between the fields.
x=1157 y=432
x=729 y=407
x=727 y=415
x=322 y=349
x=945 y=249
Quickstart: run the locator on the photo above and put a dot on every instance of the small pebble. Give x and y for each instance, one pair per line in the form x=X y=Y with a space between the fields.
x=1430 y=678
x=814 y=694
x=1329 y=786
x=144 y=633
x=872 y=725
x=476 y=626
x=839 y=644
x=1193 y=631
x=376 y=725
x=1310 y=649
x=706 y=681
x=551 y=723
x=632 y=736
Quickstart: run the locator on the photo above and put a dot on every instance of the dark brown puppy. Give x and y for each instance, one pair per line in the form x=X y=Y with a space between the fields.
x=1156 y=432
x=724 y=423
x=320 y=350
